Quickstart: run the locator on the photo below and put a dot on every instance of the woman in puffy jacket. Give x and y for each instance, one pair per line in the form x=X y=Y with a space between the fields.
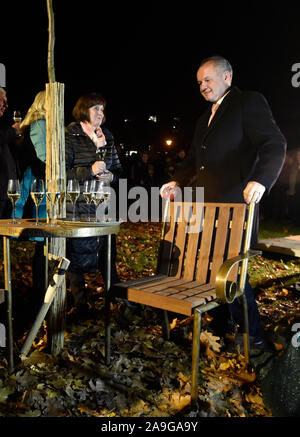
x=83 y=141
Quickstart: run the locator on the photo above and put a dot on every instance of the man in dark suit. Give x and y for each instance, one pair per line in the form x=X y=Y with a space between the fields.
x=8 y=166
x=236 y=154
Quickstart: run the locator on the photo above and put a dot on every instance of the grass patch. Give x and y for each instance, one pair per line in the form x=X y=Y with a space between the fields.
x=276 y=229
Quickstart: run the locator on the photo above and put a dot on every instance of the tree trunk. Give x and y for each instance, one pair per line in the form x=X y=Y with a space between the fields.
x=55 y=171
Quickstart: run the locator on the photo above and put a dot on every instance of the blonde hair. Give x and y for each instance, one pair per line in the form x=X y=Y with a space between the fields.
x=36 y=111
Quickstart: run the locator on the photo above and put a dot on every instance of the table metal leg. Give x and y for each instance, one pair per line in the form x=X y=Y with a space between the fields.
x=107 y=302
x=8 y=288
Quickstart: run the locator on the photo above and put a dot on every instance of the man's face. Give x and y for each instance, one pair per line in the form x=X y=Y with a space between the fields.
x=213 y=82
x=3 y=102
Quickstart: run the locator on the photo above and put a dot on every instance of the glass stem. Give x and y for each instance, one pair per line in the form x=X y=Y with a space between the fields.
x=14 y=220
x=89 y=212
x=74 y=206
x=37 y=215
x=52 y=218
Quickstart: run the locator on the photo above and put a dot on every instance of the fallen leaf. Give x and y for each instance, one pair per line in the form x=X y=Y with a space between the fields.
x=210 y=339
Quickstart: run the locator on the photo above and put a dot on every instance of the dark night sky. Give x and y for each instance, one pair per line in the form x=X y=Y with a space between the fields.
x=144 y=59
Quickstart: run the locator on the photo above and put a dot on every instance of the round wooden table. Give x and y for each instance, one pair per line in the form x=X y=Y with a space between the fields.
x=26 y=228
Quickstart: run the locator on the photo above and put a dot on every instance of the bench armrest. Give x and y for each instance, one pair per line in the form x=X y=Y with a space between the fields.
x=226 y=290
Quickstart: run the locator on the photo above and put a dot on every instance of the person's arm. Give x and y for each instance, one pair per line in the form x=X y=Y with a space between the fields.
x=81 y=173
x=269 y=145
x=113 y=164
x=38 y=138
x=8 y=135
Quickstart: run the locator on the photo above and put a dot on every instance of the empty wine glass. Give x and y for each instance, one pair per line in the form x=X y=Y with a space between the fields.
x=73 y=192
x=37 y=193
x=13 y=193
x=87 y=195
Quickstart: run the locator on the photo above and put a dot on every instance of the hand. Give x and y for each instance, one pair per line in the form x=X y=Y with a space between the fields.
x=100 y=138
x=169 y=191
x=17 y=127
x=253 y=192
x=108 y=176
x=95 y=135
x=98 y=167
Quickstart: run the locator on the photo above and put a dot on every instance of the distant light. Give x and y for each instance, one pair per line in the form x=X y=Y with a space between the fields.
x=153 y=118
x=126 y=120
x=169 y=142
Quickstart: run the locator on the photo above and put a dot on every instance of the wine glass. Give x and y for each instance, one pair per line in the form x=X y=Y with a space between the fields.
x=53 y=194
x=17 y=117
x=97 y=194
x=73 y=192
x=101 y=196
x=101 y=153
x=37 y=193
x=106 y=189
x=13 y=193
x=87 y=195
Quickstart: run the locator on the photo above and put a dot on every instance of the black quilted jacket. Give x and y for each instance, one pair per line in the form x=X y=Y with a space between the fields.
x=80 y=156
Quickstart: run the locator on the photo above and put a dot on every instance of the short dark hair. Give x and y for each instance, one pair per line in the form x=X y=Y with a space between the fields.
x=220 y=61
x=84 y=103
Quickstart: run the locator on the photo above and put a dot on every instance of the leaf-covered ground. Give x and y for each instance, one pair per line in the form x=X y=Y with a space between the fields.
x=148 y=376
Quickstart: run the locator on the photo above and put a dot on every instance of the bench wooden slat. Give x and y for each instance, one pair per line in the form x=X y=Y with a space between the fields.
x=220 y=242
x=236 y=234
x=167 y=244
x=180 y=241
x=206 y=241
x=145 y=280
x=161 y=284
x=192 y=288
x=163 y=302
x=193 y=242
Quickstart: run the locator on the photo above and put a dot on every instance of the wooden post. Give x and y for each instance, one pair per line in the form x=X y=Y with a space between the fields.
x=55 y=171
x=51 y=40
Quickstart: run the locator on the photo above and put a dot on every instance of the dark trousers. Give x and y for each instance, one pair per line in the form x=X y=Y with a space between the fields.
x=76 y=279
x=236 y=311
x=226 y=317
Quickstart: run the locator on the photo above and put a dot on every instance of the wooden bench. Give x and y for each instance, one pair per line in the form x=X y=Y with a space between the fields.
x=202 y=263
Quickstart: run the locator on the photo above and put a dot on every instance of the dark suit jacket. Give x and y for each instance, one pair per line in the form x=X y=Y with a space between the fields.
x=242 y=144
x=8 y=167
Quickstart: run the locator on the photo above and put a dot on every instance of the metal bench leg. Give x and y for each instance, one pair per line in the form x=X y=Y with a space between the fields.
x=246 y=329
x=107 y=303
x=8 y=287
x=195 y=354
x=166 y=325
x=196 y=347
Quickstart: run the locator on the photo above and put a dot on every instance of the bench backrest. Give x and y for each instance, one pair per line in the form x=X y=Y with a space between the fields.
x=198 y=237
